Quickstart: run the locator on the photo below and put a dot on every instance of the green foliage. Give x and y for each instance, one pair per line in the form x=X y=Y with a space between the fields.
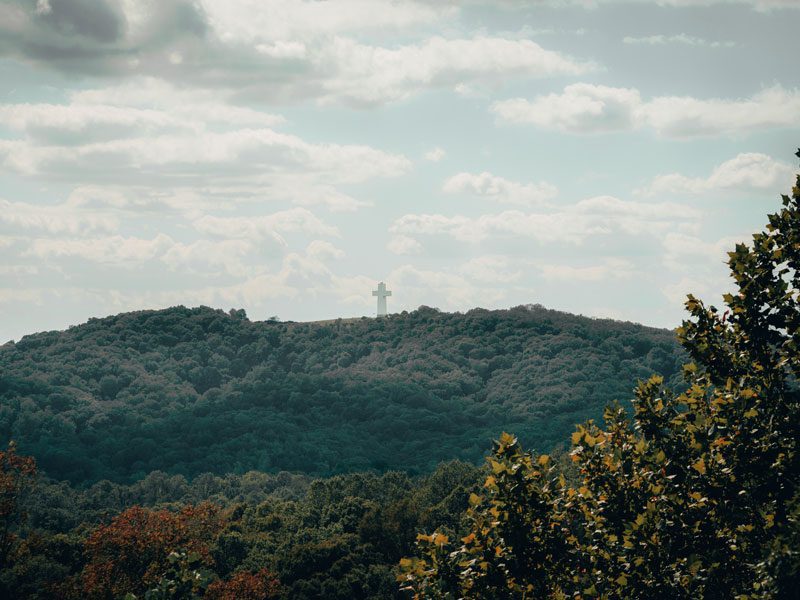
x=187 y=577
x=266 y=536
x=186 y=391
x=697 y=497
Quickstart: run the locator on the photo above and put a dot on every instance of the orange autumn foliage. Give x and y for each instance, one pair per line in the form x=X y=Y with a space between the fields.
x=262 y=585
x=16 y=472
x=130 y=553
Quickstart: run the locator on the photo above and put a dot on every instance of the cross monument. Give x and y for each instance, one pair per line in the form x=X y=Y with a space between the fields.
x=381 y=293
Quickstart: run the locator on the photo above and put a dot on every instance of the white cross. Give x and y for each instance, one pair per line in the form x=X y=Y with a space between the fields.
x=381 y=293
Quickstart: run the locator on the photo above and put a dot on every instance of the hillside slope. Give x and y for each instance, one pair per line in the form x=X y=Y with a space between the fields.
x=200 y=390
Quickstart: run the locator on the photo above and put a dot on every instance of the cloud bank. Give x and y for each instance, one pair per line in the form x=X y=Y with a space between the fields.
x=584 y=108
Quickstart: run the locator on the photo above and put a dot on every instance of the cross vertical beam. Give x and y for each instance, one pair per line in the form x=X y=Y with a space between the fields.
x=382 y=294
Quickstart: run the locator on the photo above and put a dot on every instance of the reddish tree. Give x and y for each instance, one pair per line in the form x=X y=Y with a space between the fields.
x=16 y=473
x=130 y=553
x=244 y=585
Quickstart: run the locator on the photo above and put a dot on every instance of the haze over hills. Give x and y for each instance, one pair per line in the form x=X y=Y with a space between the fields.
x=193 y=390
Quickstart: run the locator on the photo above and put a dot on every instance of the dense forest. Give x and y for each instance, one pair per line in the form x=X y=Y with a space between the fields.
x=195 y=390
x=237 y=537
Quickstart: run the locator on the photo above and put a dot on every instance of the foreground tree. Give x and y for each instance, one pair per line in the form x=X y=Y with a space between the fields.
x=696 y=497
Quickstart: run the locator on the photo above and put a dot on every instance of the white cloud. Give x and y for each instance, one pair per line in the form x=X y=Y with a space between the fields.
x=115 y=250
x=194 y=202
x=91 y=195
x=251 y=21
x=9 y=270
x=317 y=39
x=58 y=122
x=136 y=201
x=199 y=257
x=587 y=108
x=602 y=215
x=759 y=5
x=273 y=226
x=280 y=50
x=206 y=257
x=303 y=272
x=490 y=269
x=43 y=7
x=301 y=275
x=681 y=38
x=254 y=291
x=324 y=251
x=706 y=261
x=747 y=171
x=21 y=296
x=609 y=269
x=499 y=189
x=142 y=107
x=435 y=154
x=199 y=154
x=403 y=244
x=185 y=141
x=683 y=117
x=18 y=156
x=443 y=289
x=581 y=108
x=193 y=108
x=251 y=151
x=681 y=251
x=710 y=289
x=610 y=206
x=55 y=219
x=304 y=194
x=371 y=75
x=544 y=228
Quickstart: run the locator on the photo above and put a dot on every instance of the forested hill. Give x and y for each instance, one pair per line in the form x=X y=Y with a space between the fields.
x=200 y=390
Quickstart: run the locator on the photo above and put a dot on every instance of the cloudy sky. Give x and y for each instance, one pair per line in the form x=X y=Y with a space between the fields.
x=283 y=156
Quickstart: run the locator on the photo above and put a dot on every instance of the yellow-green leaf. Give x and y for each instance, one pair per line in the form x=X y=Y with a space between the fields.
x=700 y=466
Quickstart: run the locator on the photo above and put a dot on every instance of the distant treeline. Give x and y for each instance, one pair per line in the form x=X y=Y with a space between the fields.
x=187 y=391
x=239 y=537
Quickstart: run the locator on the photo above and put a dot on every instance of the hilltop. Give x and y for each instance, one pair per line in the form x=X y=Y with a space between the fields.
x=193 y=390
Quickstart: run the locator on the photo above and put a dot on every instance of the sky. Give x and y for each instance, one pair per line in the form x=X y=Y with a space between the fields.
x=597 y=157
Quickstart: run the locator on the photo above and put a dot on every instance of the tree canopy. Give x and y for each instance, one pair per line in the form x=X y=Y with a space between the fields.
x=255 y=536
x=186 y=391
